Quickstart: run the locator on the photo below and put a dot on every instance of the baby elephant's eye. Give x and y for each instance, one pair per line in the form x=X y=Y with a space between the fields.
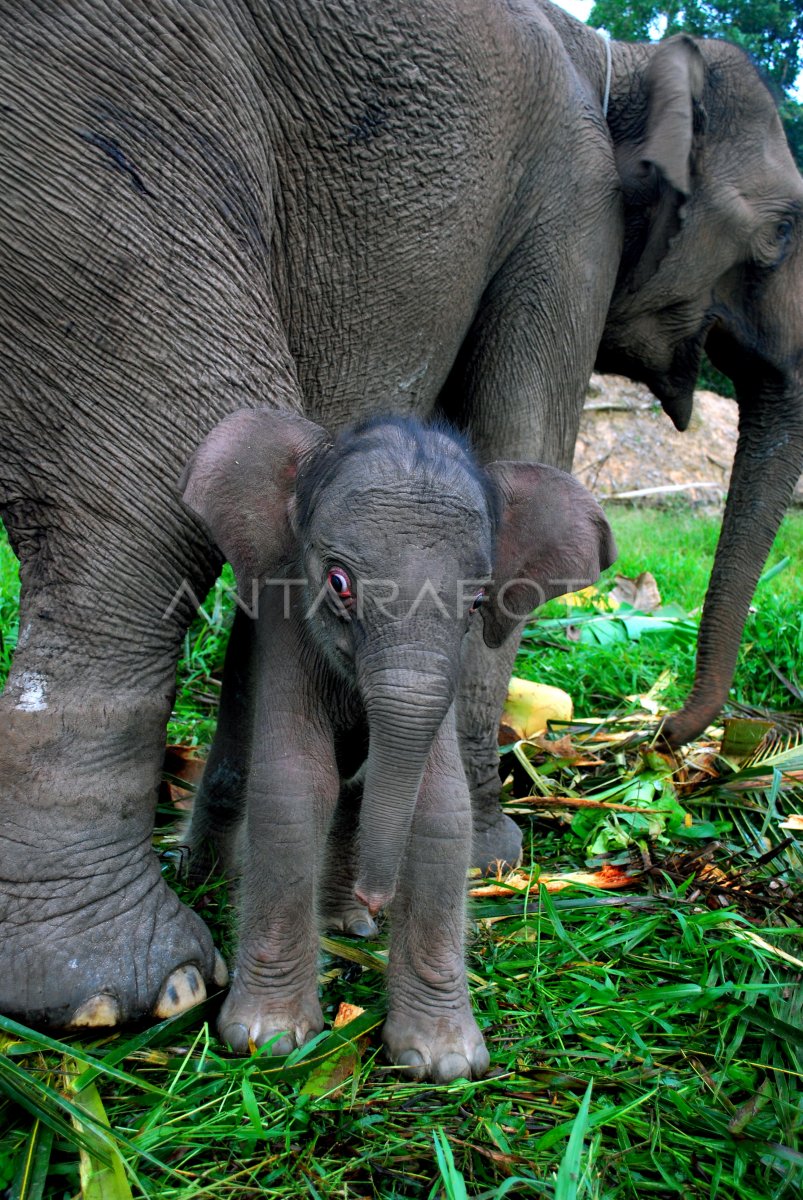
x=340 y=583
x=478 y=600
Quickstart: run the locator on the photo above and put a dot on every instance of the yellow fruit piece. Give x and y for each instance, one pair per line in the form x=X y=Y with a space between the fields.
x=529 y=706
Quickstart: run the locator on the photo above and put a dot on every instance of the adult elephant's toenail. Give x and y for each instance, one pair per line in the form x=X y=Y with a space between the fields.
x=220 y=975
x=451 y=1066
x=180 y=991
x=99 y=1011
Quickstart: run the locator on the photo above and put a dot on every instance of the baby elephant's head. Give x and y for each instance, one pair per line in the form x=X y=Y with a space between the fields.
x=396 y=529
x=404 y=542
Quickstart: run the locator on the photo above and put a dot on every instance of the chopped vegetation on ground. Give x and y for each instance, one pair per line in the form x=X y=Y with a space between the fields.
x=638 y=978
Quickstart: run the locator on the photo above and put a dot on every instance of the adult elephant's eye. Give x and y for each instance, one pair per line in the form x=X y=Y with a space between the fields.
x=340 y=583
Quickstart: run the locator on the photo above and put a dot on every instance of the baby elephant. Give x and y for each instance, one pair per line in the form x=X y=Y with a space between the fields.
x=370 y=556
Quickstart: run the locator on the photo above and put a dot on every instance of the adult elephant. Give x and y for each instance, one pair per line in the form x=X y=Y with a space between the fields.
x=335 y=210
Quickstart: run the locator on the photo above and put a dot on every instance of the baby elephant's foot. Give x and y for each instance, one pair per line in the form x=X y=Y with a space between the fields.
x=349 y=917
x=247 y=1019
x=496 y=843
x=439 y=1045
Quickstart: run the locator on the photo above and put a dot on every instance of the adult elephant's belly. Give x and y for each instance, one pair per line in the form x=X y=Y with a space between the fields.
x=379 y=303
x=392 y=204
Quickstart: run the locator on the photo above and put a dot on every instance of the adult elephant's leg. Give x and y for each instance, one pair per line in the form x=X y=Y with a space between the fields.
x=91 y=933
x=518 y=390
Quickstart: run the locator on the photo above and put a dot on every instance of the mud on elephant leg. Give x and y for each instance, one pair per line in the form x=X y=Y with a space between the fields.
x=484 y=678
x=430 y=1028
x=339 y=909
x=92 y=934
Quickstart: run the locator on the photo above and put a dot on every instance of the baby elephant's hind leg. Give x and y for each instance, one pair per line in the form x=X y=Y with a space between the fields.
x=339 y=908
x=219 y=805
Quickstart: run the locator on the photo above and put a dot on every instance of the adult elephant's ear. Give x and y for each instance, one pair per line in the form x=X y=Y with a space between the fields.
x=241 y=484
x=657 y=167
x=553 y=539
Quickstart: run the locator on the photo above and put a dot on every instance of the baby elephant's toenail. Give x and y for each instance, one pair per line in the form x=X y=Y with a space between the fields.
x=451 y=1066
x=415 y=1067
x=220 y=974
x=237 y=1036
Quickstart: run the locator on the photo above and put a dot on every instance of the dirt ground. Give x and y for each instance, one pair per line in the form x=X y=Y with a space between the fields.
x=628 y=444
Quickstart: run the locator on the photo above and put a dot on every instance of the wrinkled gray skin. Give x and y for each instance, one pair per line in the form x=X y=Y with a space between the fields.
x=334 y=210
x=400 y=514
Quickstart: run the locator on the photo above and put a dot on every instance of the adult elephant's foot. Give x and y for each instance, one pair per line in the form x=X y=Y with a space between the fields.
x=435 y=1042
x=253 y=1018
x=114 y=946
x=92 y=936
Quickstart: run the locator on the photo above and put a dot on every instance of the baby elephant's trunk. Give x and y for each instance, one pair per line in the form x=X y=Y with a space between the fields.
x=405 y=711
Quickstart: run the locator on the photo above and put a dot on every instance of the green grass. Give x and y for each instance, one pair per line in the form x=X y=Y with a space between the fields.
x=201 y=667
x=678 y=548
x=644 y=1042
x=9 y=604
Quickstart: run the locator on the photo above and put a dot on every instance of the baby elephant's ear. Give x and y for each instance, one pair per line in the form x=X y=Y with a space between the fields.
x=241 y=482
x=553 y=539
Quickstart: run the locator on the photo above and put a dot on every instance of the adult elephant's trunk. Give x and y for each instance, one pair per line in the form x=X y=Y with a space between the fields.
x=768 y=463
x=405 y=710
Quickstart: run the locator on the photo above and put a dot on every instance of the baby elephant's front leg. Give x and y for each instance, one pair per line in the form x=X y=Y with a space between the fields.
x=430 y=1028
x=274 y=993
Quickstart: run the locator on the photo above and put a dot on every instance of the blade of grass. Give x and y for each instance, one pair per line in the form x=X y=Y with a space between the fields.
x=37 y=1098
x=33 y=1163
x=102 y=1177
x=569 y=1171
x=453 y=1182
x=30 y=1037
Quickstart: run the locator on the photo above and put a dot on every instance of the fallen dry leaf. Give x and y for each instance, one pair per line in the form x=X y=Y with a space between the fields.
x=793 y=821
x=562 y=747
x=607 y=877
x=750 y=936
x=640 y=593
x=584 y=802
x=345 y=1013
x=184 y=765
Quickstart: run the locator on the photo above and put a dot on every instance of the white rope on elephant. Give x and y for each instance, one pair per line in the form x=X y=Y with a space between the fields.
x=608 y=72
